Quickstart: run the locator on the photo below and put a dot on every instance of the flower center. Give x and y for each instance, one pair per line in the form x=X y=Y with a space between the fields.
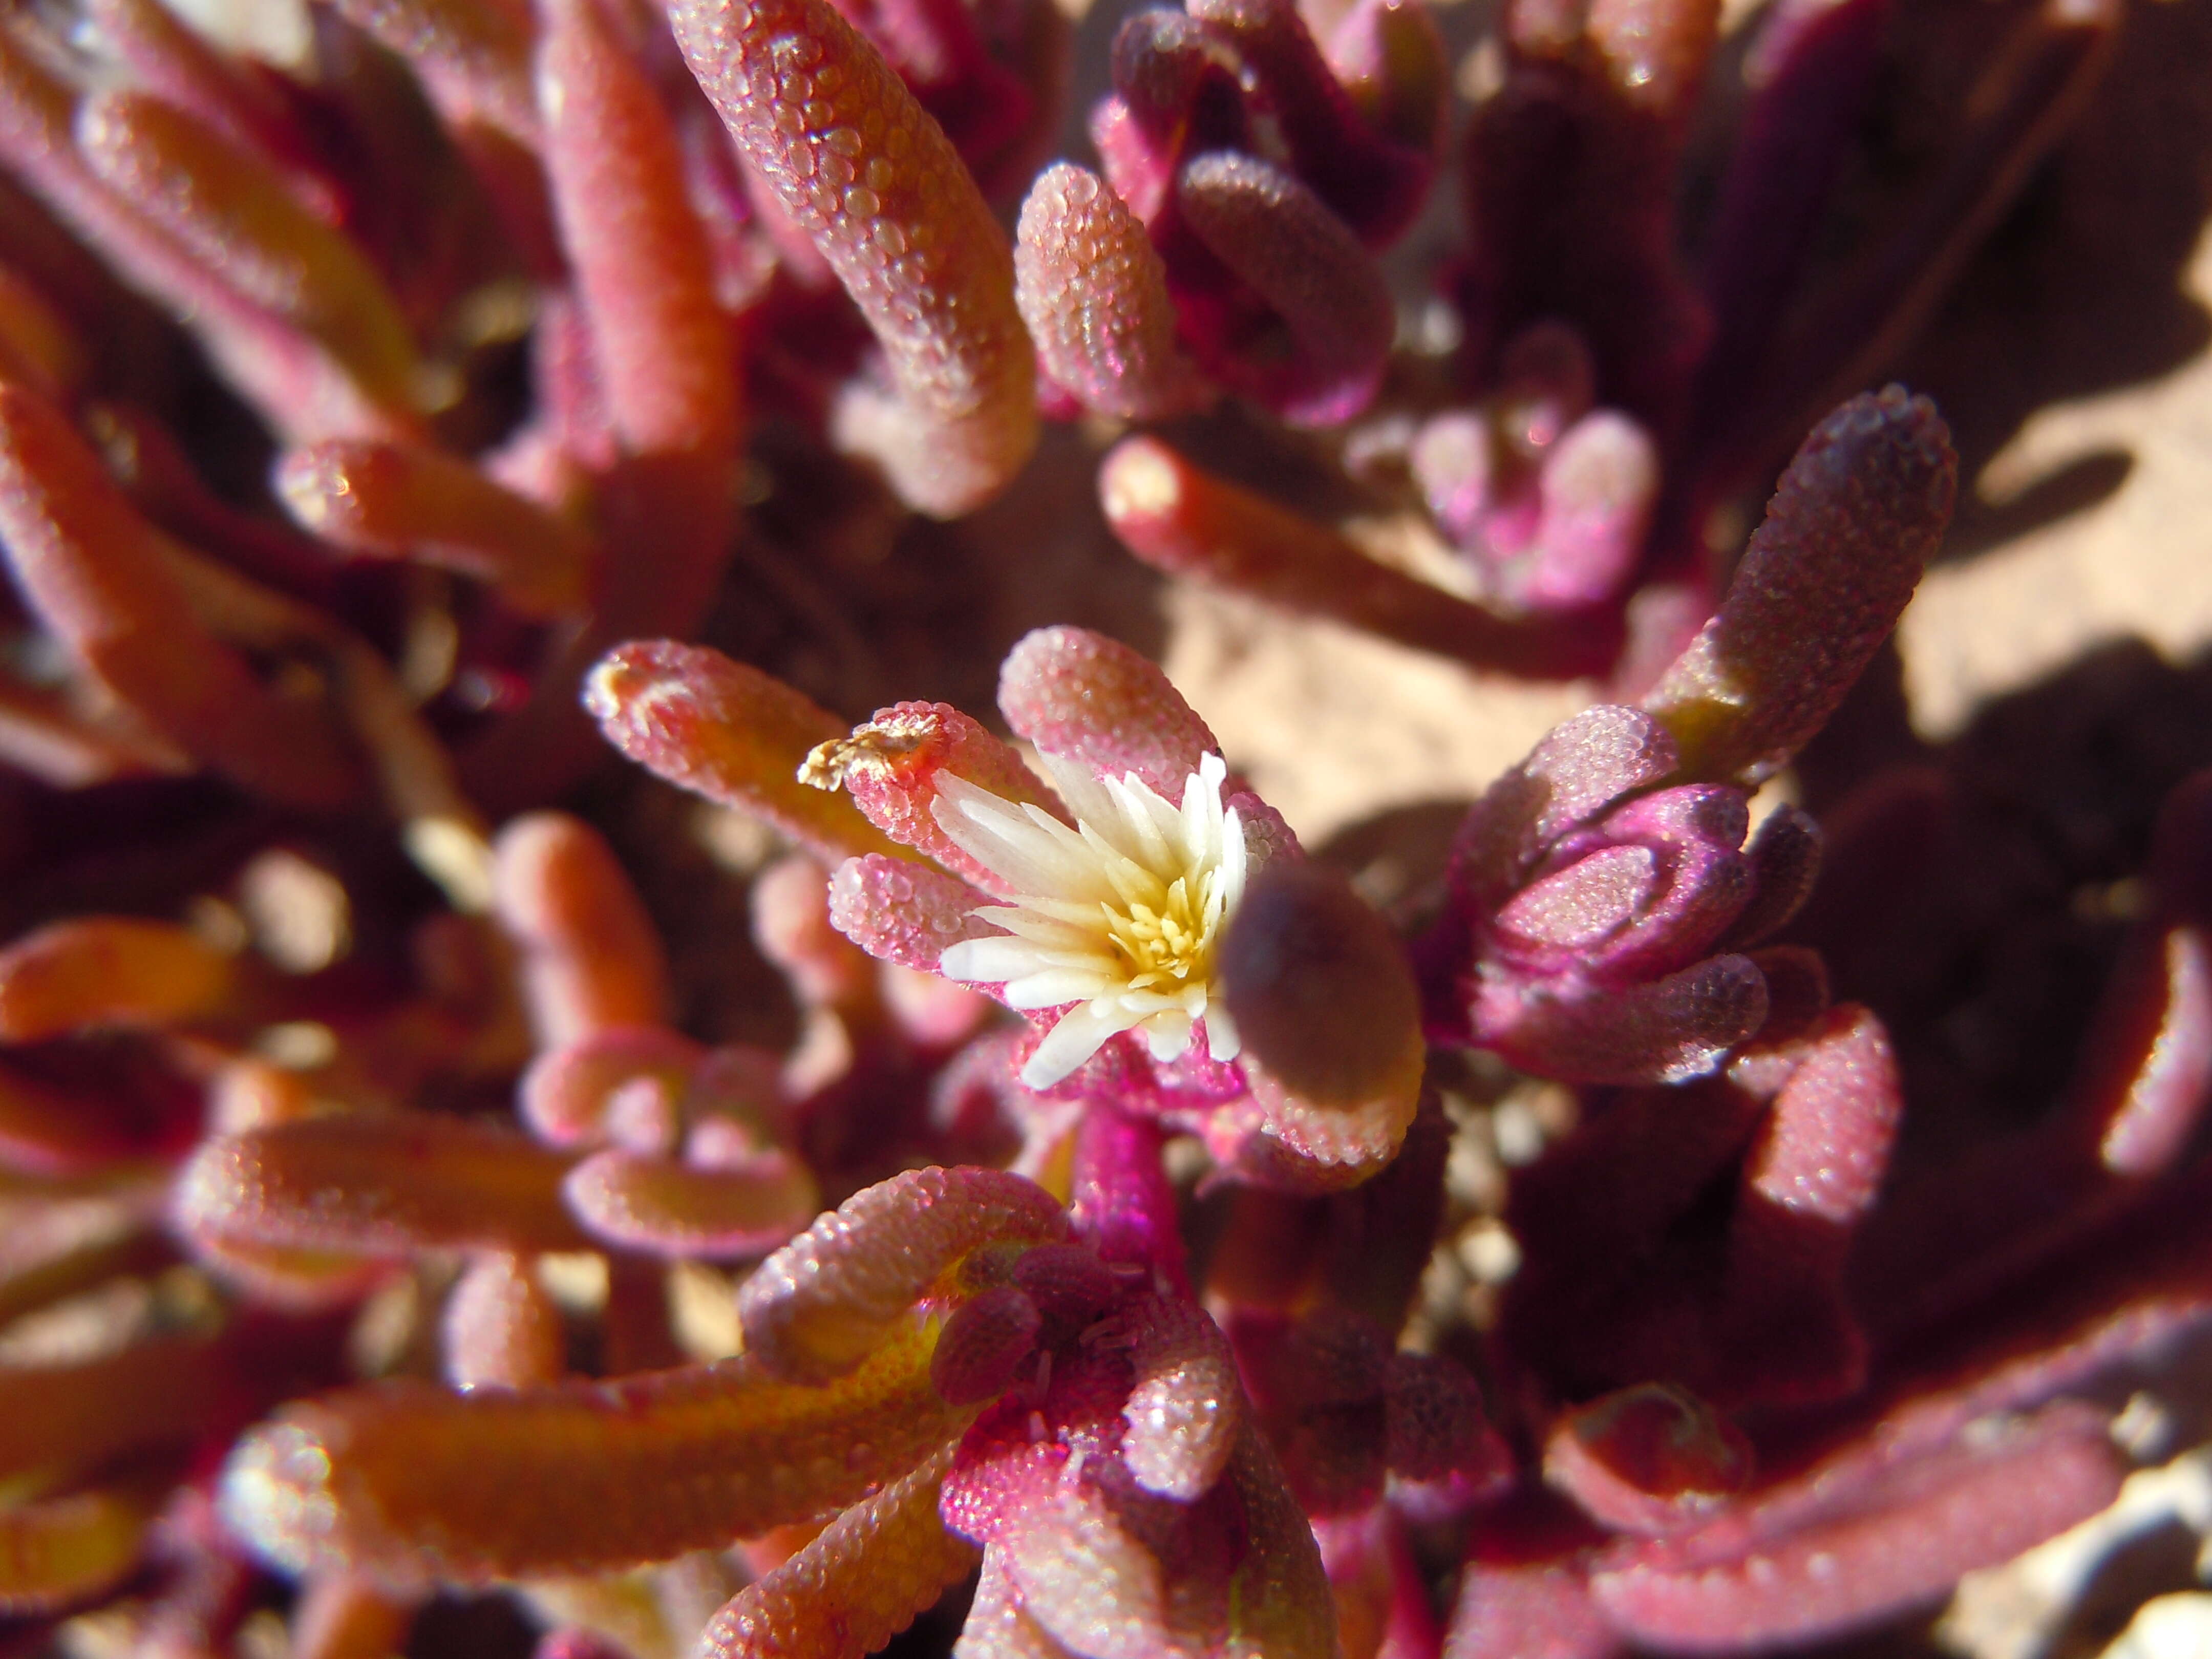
x=1172 y=939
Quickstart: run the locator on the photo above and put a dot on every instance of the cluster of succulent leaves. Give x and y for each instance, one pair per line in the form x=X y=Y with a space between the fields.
x=376 y=1226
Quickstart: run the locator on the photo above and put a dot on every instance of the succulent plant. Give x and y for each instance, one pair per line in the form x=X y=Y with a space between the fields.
x=1014 y=1184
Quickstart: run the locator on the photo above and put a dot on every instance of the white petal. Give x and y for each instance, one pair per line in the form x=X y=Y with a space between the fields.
x=1234 y=860
x=1223 y=1039
x=1080 y=1034
x=1078 y=786
x=1052 y=927
x=1147 y=824
x=1167 y=1034
x=989 y=961
x=1051 y=987
x=1030 y=856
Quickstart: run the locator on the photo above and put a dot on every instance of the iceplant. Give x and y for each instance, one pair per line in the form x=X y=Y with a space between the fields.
x=1156 y=924
x=1114 y=922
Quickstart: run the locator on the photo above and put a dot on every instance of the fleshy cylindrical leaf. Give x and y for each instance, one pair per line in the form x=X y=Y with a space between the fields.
x=404 y=500
x=499 y=1329
x=1273 y=232
x=854 y=1586
x=376 y=1186
x=1092 y=699
x=818 y=1306
x=1853 y=523
x=857 y=163
x=663 y=1207
x=1668 y=1030
x=233 y=211
x=1319 y=987
x=591 y=959
x=406 y=1482
x=642 y=266
x=60 y=1550
x=99 y=577
x=1179 y=518
x=903 y=913
x=95 y=971
x=1094 y=292
x=730 y=733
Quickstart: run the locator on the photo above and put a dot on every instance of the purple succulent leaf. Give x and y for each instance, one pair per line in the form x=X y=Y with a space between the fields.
x=1598 y=489
x=1810 y=70
x=1902 y=1542
x=1375 y=186
x=1266 y=226
x=1581 y=766
x=1179 y=90
x=1667 y=1031
x=985 y=1345
x=1785 y=862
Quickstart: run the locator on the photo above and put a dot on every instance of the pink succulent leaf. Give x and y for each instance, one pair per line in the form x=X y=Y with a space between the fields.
x=1185 y=1405
x=1391 y=58
x=499 y=1328
x=1852 y=524
x=1827 y=1137
x=791 y=927
x=1092 y=699
x=821 y=1304
x=1348 y=1142
x=2146 y=1078
x=1111 y=1571
x=893 y=767
x=1094 y=292
x=876 y=172
x=1598 y=489
x=853 y=1587
x=903 y=913
x=643 y=269
x=997 y=1625
x=1532 y=1609
x=1177 y=89
x=985 y=1345
x=1383 y=1602
x=1581 y=766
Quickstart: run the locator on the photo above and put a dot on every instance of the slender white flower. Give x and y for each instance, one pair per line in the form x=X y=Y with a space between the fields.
x=1120 y=915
